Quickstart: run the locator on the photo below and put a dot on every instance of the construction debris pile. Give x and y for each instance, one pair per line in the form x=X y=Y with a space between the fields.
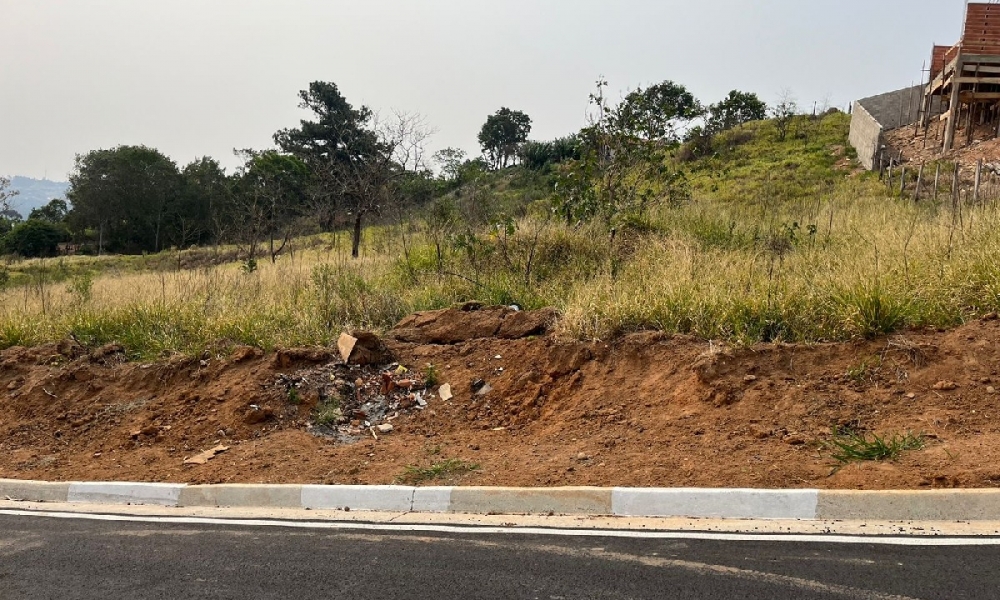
x=356 y=400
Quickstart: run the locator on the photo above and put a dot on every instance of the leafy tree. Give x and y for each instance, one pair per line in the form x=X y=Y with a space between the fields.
x=358 y=161
x=206 y=193
x=270 y=193
x=539 y=156
x=657 y=113
x=502 y=135
x=783 y=112
x=53 y=212
x=126 y=195
x=34 y=238
x=338 y=134
x=735 y=110
x=622 y=165
x=450 y=160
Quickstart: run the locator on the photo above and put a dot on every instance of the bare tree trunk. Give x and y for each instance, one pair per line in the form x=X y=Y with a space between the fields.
x=356 y=240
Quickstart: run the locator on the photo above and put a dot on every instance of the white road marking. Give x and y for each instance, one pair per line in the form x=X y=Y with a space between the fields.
x=538 y=531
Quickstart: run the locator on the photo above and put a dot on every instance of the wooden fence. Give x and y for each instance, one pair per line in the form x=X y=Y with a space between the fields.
x=940 y=180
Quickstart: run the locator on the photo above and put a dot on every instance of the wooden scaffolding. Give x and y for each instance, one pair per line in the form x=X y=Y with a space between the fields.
x=965 y=78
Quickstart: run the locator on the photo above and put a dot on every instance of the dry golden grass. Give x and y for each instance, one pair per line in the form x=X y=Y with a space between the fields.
x=852 y=264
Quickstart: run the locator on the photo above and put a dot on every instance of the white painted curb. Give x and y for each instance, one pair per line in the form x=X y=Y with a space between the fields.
x=358 y=497
x=161 y=494
x=808 y=505
x=717 y=503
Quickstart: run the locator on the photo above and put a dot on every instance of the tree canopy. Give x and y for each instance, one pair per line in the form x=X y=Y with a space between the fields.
x=34 y=238
x=53 y=212
x=502 y=135
x=338 y=134
x=658 y=112
x=127 y=194
x=735 y=110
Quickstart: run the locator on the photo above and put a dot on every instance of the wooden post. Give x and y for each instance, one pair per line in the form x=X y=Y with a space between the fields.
x=953 y=108
x=888 y=177
x=954 y=188
x=920 y=180
x=979 y=175
x=970 y=124
x=937 y=179
x=902 y=181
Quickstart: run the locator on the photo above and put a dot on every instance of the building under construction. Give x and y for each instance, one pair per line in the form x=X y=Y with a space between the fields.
x=959 y=102
x=965 y=78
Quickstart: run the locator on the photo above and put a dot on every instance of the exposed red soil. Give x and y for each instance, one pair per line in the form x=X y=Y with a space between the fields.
x=645 y=410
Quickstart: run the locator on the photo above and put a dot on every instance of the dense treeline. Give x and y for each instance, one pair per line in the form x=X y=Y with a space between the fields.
x=346 y=165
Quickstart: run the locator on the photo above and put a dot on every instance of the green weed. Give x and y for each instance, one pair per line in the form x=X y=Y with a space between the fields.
x=853 y=446
x=447 y=468
x=432 y=376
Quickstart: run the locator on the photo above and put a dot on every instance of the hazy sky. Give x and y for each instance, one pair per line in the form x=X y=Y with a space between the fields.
x=201 y=77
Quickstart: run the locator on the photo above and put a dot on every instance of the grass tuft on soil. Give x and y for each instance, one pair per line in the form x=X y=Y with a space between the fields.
x=855 y=446
x=445 y=469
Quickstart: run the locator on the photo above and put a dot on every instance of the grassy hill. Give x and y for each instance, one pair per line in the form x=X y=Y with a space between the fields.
x=781 y=240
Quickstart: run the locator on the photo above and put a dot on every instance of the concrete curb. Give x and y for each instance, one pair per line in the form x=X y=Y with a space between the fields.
x=806 y=505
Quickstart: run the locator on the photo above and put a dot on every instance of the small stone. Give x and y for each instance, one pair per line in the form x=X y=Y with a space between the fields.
x=911 y=396
x=385 y=428
x=794 y=440
x=750 y=379
x=486 y=389
x=991 y=390
x=946 y=386
x=582 y=457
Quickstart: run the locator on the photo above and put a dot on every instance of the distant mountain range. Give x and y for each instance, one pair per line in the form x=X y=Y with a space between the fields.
x=35 y=193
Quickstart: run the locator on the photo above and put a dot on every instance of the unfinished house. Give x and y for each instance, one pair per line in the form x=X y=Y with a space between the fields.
x=965 y=78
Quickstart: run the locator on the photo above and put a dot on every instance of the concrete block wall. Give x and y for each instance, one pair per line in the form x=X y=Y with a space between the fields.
x=866 y=135
x=873 y=116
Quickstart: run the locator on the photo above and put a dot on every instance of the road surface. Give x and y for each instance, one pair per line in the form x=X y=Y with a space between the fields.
x=74 y=558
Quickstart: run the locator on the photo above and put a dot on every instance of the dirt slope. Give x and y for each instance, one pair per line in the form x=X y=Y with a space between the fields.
x=646 y=410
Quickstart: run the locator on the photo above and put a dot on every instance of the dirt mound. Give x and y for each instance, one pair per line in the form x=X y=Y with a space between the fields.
x=472 y=322
x=646 y=410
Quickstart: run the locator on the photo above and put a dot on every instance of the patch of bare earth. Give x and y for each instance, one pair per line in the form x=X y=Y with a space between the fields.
x=645 y=410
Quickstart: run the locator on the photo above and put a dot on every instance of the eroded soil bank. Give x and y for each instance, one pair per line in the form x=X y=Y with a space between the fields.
x=645 y=410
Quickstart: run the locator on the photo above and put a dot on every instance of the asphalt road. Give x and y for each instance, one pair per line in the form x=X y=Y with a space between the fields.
x=69 y=559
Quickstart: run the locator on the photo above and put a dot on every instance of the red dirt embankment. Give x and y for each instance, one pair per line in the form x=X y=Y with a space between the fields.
x=645 y=410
